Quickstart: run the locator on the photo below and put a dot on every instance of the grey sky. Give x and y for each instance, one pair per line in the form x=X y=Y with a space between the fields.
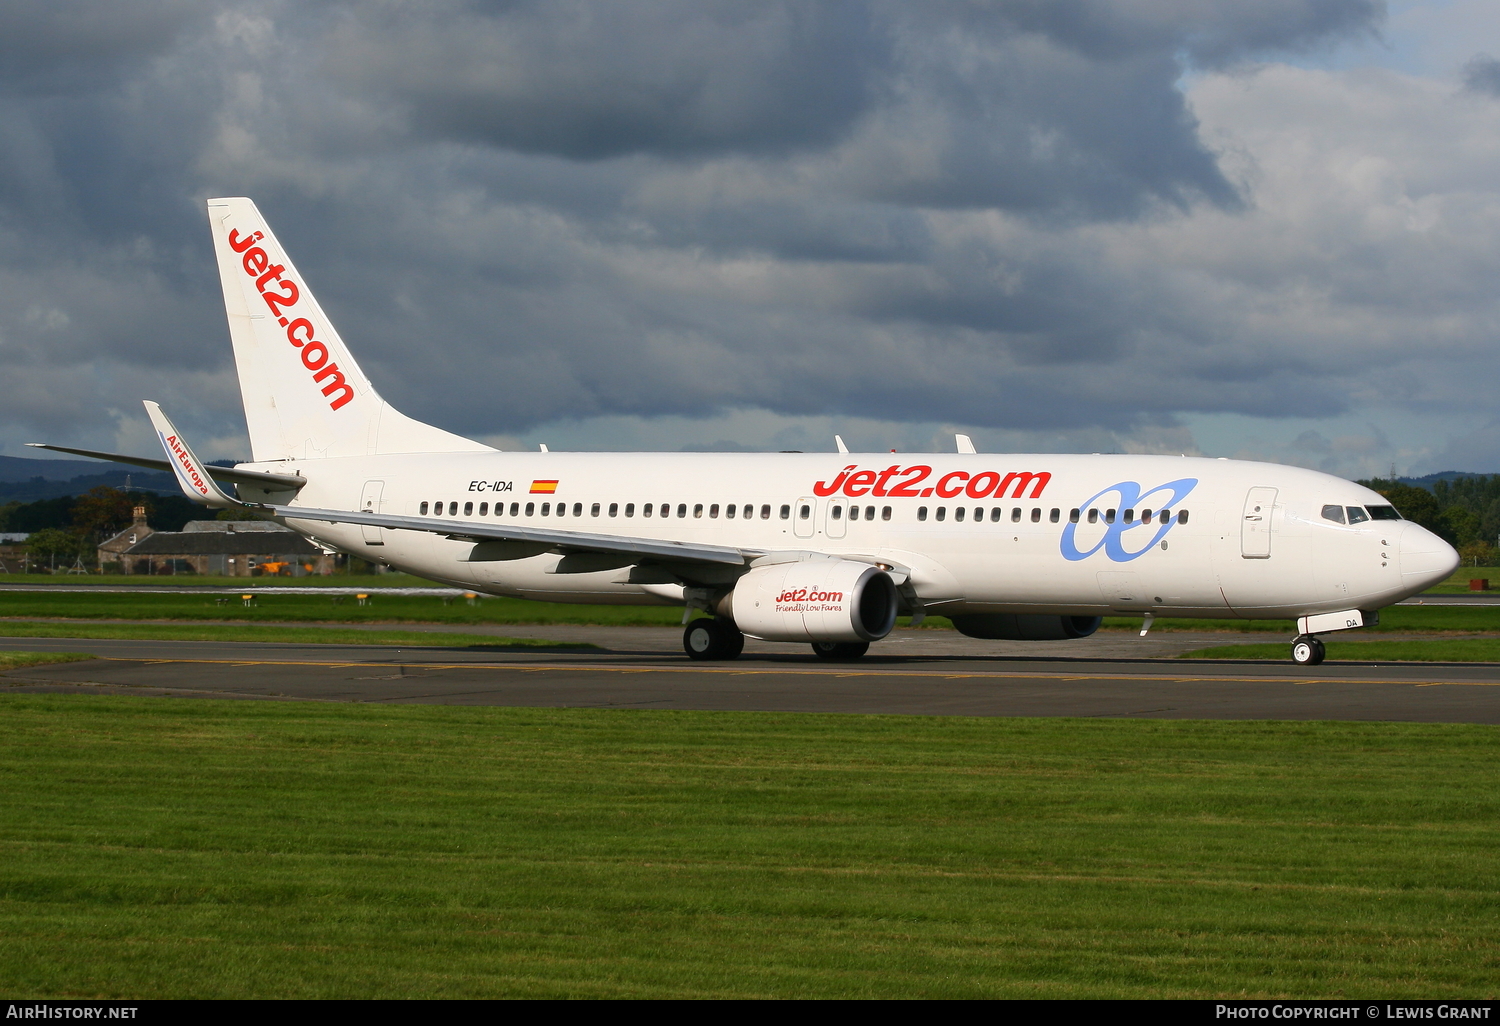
x=1185 y=225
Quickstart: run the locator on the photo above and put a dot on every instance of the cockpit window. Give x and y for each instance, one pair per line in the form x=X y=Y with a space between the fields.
x=1357 y=515
x=1334 y=513
x=1383 y=513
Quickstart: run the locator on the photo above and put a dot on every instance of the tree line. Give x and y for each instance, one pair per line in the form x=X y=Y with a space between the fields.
x=1464 y=512
x=69 y=528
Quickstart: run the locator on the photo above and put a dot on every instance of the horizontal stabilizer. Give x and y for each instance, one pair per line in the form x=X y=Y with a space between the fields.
x=258 y=478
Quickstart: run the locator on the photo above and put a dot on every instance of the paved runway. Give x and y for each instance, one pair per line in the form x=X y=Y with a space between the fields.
x=641 y=670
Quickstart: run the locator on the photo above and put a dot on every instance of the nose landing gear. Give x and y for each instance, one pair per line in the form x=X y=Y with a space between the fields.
x=1307 y=651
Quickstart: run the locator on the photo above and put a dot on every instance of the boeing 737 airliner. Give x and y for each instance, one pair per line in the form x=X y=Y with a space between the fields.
x=826 y=549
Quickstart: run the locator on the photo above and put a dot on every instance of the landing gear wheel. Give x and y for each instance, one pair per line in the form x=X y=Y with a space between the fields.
x=840 y=651
x=1307 y=651
x=712 y=639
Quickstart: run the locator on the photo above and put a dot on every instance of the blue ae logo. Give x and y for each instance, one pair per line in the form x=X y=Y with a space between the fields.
x=1114 y=537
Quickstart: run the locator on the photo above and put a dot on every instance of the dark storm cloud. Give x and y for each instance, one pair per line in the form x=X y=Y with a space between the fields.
x=72 y=46
x=1482 y=75
x=592 y=81
x=526 y=211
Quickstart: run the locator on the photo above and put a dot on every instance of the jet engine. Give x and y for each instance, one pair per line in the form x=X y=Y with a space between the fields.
x=838 y=600
x=1025 y=626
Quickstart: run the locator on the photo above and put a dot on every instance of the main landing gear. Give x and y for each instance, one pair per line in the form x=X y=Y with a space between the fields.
x=1307 y=651
x=840 y=651
x=707 y=638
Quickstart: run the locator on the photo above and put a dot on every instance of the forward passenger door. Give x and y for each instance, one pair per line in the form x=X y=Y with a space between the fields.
x=1255 y=527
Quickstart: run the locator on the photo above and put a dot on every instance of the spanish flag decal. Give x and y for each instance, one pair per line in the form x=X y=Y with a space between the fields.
x=543 y=487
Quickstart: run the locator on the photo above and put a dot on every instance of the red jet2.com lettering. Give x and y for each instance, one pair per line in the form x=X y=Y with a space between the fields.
x=314 y=353
x=906 y=483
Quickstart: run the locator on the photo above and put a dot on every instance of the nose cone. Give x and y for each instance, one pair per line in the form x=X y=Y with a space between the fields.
x=1425 y=558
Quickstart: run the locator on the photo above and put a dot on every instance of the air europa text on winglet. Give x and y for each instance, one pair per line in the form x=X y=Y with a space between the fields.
x=314 y=353
x=905 y=482
x=186 y=463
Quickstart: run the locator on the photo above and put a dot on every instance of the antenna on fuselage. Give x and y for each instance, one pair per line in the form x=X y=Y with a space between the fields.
x=838 y=441
x=543 y=446
x=965 y=444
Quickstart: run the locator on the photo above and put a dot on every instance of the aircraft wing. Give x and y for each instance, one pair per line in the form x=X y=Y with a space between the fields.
x=258 y=478
x=552 y=540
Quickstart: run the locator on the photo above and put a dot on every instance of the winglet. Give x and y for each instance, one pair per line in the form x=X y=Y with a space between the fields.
x=840 y=443
x=965 y=444
x=192 y=476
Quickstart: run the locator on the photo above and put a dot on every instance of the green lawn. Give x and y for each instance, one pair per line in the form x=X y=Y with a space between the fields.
x=16 y=660
x=1446 y=650
x=170 y=848
x=271 y=633
x=390 y=580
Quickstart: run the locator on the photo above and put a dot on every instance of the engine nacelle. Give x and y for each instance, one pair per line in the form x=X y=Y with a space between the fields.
x=1025 y=626
x=814 y=600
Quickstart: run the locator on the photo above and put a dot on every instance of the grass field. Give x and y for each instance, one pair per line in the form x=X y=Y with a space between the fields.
x=176 y=848
x=1459 y=582
x=1448 y=650
x=271 y=633
x=414 y=609
x=16 y=660
x=390 y=580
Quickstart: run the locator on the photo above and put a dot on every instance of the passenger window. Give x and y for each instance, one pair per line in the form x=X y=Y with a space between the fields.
x=1109 y=516
x=578 y=509
x=835 y=511
x=729 y=511
x=1182 y=516
x=713 y=511
x=1055 y=515
x=546 y=509
x=1130 y=516
x=921 y=512
x=594 y=510
x=1145 y=516
x=978 y=514
x=645 y=510
x=682 y=510
x=1357 y=515
x=995 y=514
x=942 y=512
x=786 y=512
x=885 y=513
x=750 y=512
x=1072 y=516
x=1036 y=515
x=562 y=509
x=1383 y=513
x=1093 y=516
x=453 y=509
x=1015 y=515
x=422 y=509
x=1334 y=513
x=630 y=509
x=1165 y=517
x=958 y=515
x=515 y=506
x=614 y=509
x=530 y=508
x=484 y=509
x=804 y=512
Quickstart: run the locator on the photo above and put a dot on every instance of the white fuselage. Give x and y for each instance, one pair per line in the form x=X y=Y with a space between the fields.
x=1254 y=541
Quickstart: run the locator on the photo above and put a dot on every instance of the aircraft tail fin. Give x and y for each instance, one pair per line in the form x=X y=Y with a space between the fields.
x=305 y=396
